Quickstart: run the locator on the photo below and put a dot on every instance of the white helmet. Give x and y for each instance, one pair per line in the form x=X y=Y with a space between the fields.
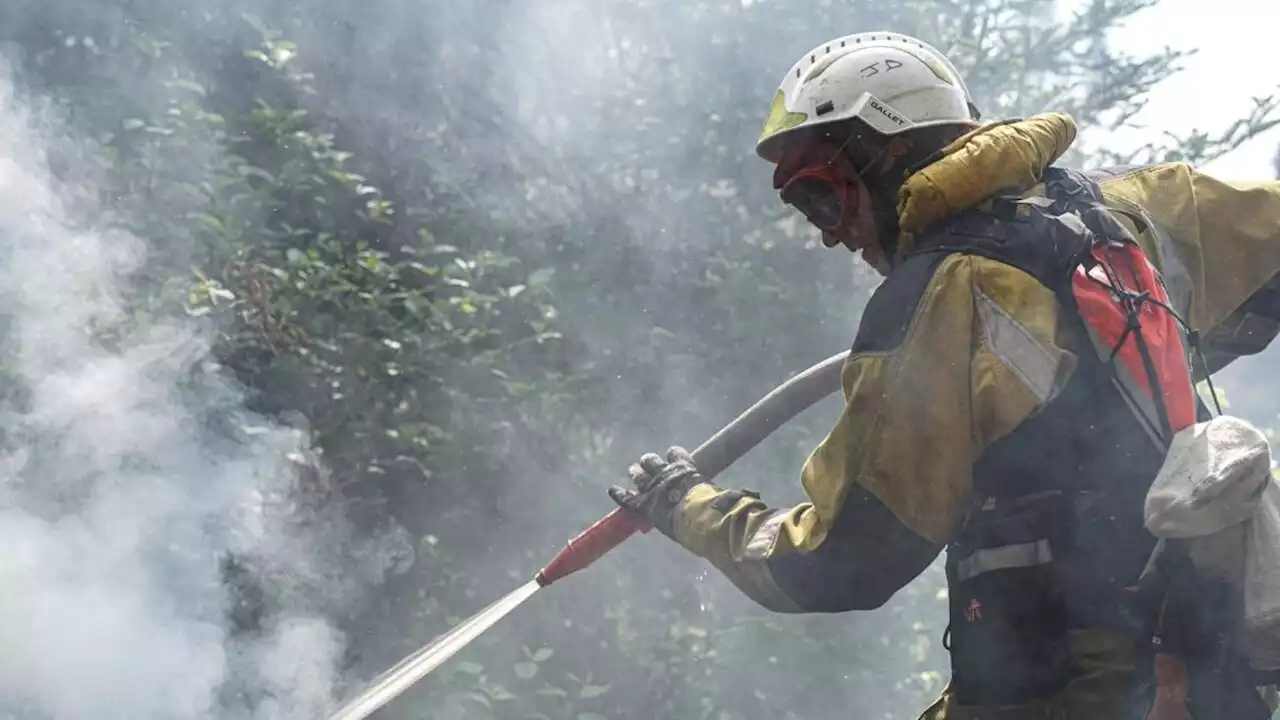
x=890 y=81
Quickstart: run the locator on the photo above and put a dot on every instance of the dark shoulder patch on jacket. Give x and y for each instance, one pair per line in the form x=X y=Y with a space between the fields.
x=888 y=314
x=866 y=557
x=1246 y=331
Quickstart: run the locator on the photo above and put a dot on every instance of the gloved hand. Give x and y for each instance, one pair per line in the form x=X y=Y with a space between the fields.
x=660 y=487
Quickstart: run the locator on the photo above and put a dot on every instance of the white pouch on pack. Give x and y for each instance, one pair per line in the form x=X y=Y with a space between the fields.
x=1210 y=480
x=1216 y=492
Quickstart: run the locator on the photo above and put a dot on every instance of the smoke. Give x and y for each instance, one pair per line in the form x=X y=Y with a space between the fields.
x=162 y=558
x=133 y=481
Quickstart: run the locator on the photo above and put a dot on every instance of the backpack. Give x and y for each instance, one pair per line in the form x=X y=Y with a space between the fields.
x=1208 y=602
x=1186 y=620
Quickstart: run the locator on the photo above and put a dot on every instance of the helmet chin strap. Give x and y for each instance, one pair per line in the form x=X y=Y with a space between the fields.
x=882 y=185
x=899 y=158
x=884 y=216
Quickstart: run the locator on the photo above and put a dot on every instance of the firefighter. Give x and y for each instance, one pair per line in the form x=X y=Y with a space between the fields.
x=999 y=403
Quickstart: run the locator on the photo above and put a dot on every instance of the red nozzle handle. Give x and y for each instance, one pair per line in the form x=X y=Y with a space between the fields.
x=592 y=544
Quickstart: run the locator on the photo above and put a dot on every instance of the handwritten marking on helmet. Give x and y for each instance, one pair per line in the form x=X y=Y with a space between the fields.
x=874 y=68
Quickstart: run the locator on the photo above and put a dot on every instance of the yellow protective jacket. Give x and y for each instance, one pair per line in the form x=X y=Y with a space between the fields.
x=985 y=349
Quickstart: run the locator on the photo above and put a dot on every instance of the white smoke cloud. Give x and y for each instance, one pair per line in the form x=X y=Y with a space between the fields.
x=127 y=473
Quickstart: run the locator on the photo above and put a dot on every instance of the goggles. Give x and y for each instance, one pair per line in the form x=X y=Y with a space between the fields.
x=822 y=195
x=825 y=194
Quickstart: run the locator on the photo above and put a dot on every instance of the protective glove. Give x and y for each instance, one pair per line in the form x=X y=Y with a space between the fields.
x=660 y=487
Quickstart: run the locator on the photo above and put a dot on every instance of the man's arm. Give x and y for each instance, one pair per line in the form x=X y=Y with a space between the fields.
x=1221 y=240
x=928 y=387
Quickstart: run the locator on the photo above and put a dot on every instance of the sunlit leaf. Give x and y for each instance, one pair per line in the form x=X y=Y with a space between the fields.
x=498 y=693
x=552 y=691
x=541 y=276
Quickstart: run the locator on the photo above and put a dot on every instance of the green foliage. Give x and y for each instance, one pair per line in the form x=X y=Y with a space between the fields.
x=485 y=304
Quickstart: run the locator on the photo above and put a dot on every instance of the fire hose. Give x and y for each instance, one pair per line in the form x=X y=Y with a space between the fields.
x=712 y=457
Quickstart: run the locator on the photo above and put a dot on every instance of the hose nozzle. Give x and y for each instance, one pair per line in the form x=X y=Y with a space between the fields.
x=592 y=544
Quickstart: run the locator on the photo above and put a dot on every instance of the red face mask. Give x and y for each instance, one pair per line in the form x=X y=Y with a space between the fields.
x=826 y=194
x=823 y=195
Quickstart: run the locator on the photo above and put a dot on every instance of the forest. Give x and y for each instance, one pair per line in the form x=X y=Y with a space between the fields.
x=325 y=325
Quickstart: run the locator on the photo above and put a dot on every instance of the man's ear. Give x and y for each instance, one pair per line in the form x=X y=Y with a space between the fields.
x=897 y=148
